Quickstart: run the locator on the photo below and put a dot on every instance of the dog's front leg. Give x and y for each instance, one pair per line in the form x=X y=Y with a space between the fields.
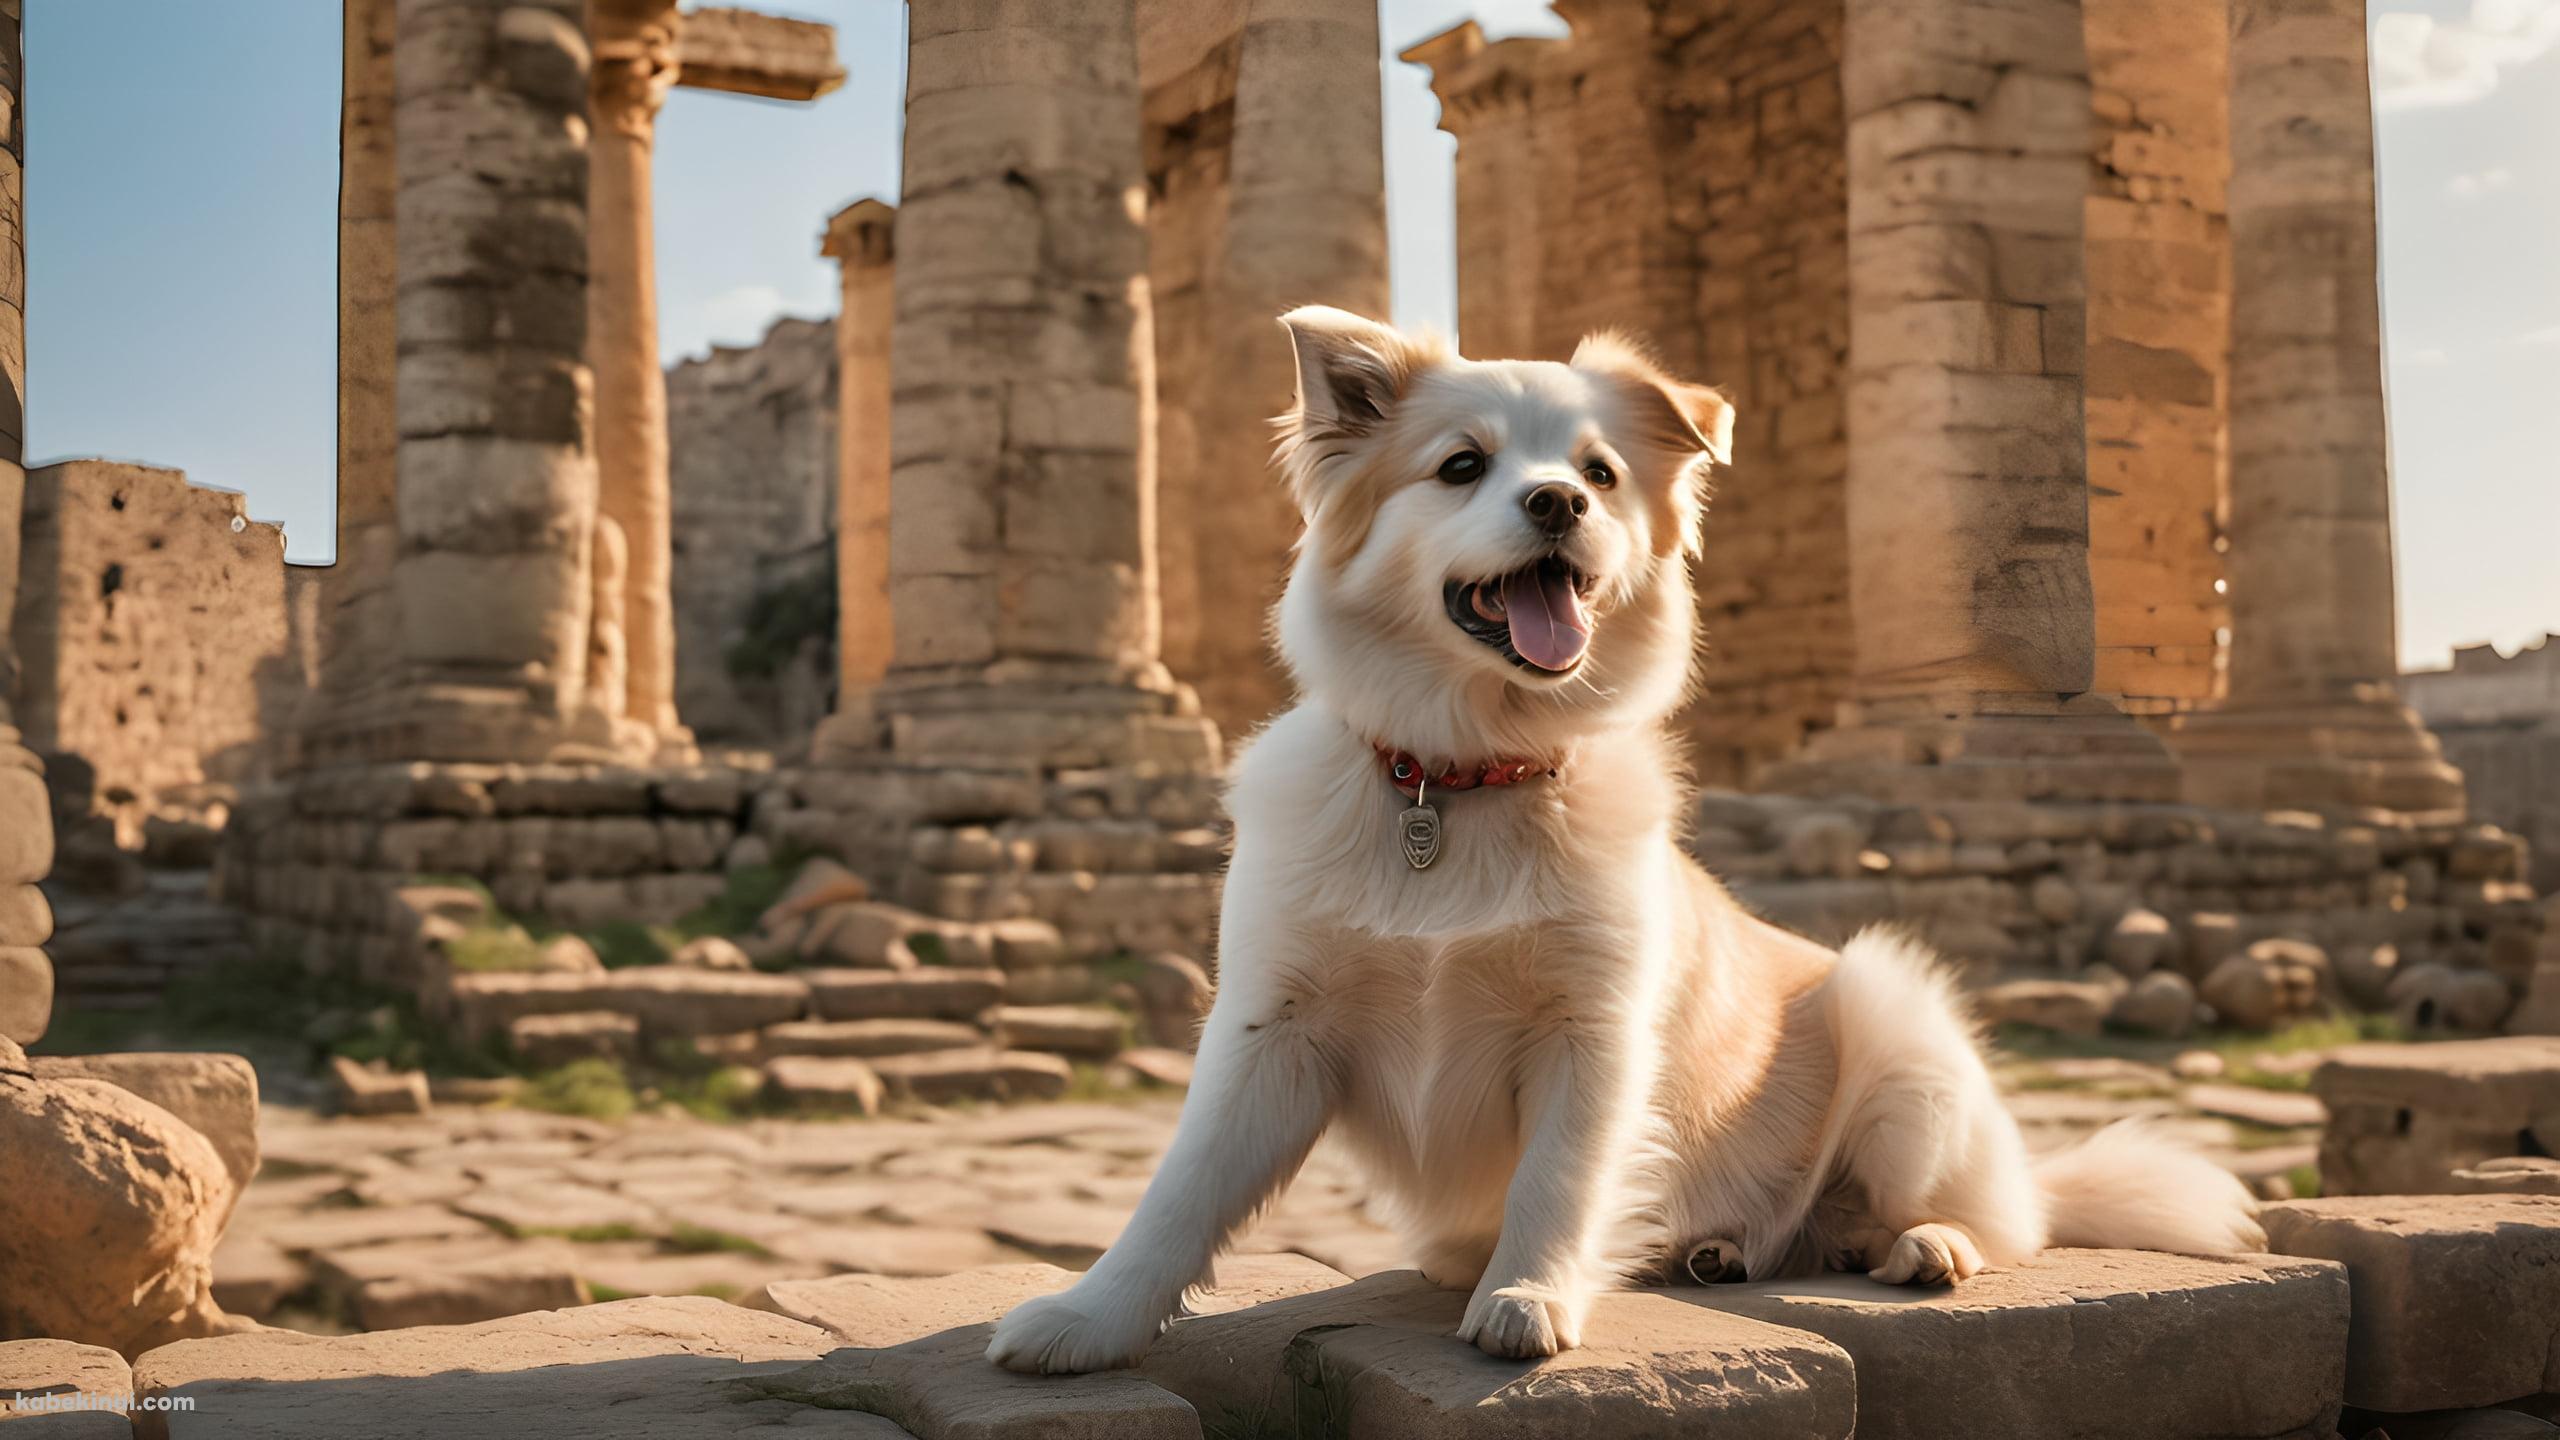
x=1585 y=1088
x=1260 y=1096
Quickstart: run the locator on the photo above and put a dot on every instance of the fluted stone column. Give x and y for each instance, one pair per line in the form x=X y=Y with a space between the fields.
x=634 y=44
x=859 y=240
x=358 y=628
x=2314 y=717
x=1022 y=482
x=26 y=816
x=1283 y=205
x=1968 y=502
x=497 y=486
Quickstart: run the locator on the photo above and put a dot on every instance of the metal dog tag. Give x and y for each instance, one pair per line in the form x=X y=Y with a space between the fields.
x=1420 y=828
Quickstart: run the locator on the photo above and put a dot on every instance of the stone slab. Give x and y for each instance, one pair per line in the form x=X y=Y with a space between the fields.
x=1380 y=1358
x=36 y=1376
x=2087 y=1343
x=940 y=1387
x=2457 y=1297
x=630 y=1368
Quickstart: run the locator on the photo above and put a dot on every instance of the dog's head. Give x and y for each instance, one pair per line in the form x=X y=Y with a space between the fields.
x=1496 y=553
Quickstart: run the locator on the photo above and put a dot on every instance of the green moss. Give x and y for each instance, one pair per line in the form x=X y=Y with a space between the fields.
x=752 y=890
x=494 y=945
x=2305 y=1180
x=703 y=1240
x=595 y=1089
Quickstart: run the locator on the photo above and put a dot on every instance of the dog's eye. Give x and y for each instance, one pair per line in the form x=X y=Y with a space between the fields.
x=1464 y=468
x=1600 y=476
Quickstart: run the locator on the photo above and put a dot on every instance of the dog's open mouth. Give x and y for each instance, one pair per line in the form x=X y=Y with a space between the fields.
x=1534 y=615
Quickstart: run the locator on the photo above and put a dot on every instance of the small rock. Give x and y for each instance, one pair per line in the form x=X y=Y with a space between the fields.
x=1092 y=1031
x=713 y=952
x=2163 y=1003
x=2273 y=983
x=568 y=955
x=376 y=1089
x=2365 y=973
x=987 y=1074
x=2056 y=901
x=2141 y=941
x=820 y=883
x=2198 y=1065
x=1822 y=844
x=2065 y=1006
x=821 y=1083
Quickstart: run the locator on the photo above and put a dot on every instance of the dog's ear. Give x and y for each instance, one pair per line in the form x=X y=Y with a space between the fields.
x=1684 y=423
x=1676 y=415
x=1351 y=372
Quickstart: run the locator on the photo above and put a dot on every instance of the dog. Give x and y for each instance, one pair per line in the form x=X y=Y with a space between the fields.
x=1459 y=932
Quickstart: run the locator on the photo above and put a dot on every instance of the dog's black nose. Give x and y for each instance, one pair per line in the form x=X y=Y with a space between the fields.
x=1556 y=507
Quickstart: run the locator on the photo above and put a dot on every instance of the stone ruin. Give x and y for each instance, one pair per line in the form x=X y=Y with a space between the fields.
x=1019 y=769
x=2499 y=718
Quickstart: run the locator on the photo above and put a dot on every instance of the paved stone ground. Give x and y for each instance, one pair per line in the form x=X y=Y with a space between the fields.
x=466 y=1214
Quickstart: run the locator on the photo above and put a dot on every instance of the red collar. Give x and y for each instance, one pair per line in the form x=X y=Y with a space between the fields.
x=1405 y=773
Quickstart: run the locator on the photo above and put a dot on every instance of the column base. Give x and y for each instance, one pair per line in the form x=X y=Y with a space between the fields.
x=471 y=724
x=2368 y=757
x=1049 y=716
x=1921 y=751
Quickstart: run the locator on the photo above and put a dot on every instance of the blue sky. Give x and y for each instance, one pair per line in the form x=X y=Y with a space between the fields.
x=182 y=189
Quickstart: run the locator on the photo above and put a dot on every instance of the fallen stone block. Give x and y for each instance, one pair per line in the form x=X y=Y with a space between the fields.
x=2088 y=1343
x=2403 y=1118
x=52 y=1389
x=217 y=1095
x=545 y=1041
x=986 y=1074
x=375 y=1089
x=818 y=1083
x=630 y=1368
x=478 y=1004
x=2510 y=1175
x=2066 y=1007
x=2457 y=1297
x=26 y=993
x=929 y=993
x=941 y=1385
x=1093 y=1032
x=448 y=1282
x=1381 y=1357
x=869 y=1039
x=109 y=1214
x=677 y=1000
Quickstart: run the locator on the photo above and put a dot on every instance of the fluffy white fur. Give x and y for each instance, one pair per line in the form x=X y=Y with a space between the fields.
x=1564 y=1053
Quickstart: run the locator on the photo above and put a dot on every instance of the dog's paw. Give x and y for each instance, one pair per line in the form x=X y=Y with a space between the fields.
x=1716 y=1262
x=1930 y=1254
x=1054 y=1335
x=1520 y=1323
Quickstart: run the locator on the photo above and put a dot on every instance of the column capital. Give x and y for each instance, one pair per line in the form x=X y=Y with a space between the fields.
x=862 y=234
x=633 y=43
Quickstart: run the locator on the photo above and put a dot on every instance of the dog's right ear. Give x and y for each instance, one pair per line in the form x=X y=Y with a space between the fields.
x=1351 y=372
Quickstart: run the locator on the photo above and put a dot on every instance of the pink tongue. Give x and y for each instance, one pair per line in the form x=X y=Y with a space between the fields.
x=1547 y=627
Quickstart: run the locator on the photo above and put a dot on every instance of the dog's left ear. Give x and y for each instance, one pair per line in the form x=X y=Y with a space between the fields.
x=1679 y=416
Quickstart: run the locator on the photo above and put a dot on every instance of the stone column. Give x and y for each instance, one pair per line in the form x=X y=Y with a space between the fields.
x=1022 y=488
x=497 y=485
x=358 y=631
x=1306 y=224
x=1968 y=499
x=634 y=44
x=2314 y=717
x=26 y=815
x=858 y=239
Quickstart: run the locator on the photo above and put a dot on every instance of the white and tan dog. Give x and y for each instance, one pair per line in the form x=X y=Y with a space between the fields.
x=1565 y=1055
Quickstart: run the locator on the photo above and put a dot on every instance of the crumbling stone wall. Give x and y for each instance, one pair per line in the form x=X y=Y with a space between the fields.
x=752 y=460
x=149 y=611
x=2158 y=252
x=2499 y=719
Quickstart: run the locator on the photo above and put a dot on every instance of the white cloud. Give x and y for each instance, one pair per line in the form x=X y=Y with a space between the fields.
x=2477 y=183
x=2421 y=62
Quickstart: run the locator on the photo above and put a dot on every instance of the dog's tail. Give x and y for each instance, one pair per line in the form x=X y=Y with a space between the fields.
x=2129 y=1187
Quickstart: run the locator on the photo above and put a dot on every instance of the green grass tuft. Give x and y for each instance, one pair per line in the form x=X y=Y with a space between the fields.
x=595 y=1089
x=703 y=1240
